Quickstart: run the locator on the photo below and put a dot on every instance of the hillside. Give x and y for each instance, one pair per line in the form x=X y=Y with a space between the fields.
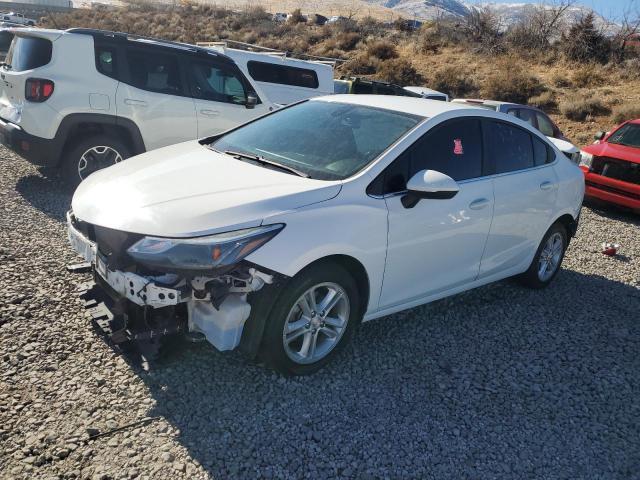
x=582 y=96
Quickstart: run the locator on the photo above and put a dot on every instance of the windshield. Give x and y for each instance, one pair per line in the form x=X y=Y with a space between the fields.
x=325 y=140
x=628 y=135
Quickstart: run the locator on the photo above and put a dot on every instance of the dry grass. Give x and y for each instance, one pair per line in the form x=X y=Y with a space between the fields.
x=579 y=108
x=624 y=113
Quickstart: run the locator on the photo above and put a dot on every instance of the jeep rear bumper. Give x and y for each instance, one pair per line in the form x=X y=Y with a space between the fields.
x=41 y=151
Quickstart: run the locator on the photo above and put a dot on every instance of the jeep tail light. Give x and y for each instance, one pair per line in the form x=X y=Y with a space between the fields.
x=38 y=89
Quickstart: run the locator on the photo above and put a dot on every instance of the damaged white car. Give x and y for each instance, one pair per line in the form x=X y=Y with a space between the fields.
x=279 y=237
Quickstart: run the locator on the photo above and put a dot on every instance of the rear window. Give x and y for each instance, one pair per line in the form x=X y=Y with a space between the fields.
x=27 y=53
x=271 y=73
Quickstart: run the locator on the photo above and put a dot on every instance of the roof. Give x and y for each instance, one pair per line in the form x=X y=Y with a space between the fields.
x=410 y=105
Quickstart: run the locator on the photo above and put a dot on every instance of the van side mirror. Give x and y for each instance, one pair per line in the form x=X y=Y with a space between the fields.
x=429 y=184
x=599 y=135
x=252 y=100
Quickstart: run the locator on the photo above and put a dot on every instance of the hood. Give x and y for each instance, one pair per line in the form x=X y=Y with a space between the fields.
x=611 y=150
x=564 y=146
x=187 y=190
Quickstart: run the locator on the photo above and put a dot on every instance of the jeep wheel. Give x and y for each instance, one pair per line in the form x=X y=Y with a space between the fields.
x=90 y=155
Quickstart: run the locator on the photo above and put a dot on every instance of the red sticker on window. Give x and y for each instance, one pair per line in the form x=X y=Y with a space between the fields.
x=457 y=146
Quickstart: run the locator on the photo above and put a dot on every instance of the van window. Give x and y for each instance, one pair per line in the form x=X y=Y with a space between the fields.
x=510 y=147
x=272 y=73
x=210 y=81
x=27 y=53
x=106 y=61
x=154 y=71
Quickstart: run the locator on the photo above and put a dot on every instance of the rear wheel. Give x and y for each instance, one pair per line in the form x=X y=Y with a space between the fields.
x=90 y=155
x=546 y=263
x=313 y=319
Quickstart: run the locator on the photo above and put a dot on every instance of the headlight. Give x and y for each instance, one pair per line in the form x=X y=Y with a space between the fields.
x=585 y=159
x=202 y=253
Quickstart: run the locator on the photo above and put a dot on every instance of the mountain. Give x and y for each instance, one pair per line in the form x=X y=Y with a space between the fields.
x=510 y=13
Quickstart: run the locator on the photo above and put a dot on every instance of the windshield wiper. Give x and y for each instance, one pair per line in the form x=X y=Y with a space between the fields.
x=264 y=161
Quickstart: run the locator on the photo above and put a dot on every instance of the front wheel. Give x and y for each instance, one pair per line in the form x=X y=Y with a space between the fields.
x=548 y=258
x=313 y=319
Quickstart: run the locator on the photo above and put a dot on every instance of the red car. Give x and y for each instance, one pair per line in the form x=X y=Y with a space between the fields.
x=612 y=166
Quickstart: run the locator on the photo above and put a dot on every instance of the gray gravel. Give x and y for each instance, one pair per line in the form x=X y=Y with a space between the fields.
x=501 y=382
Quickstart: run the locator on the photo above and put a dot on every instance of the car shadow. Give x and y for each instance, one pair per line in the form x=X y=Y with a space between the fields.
x=498 y=382
x=46 y=193
x=612 y=211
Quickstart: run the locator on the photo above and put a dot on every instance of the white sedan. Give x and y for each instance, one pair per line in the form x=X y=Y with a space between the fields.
x=280 y=236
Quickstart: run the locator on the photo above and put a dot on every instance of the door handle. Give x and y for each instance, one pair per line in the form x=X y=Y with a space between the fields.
x=210 y=113
x=478 y=204
x=546 y=186
x=135 y=103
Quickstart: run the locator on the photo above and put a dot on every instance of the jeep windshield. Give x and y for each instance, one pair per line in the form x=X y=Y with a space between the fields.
x=324 y=140
x=628 y=135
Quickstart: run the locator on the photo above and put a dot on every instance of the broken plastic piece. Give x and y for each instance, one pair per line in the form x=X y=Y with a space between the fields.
x=610 y=249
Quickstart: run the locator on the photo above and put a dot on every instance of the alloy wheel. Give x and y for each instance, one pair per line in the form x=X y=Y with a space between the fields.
x=316 y=323
x=550 y=256
x=97 y=158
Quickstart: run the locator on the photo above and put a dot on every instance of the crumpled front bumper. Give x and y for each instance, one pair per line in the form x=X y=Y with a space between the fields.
x=140 y=290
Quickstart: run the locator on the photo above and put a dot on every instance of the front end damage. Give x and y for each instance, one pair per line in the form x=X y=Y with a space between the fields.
x=131 y=302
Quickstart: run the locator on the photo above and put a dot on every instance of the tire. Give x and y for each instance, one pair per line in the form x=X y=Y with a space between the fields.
x=534 y=277
x=104 y=150
x=287 y=355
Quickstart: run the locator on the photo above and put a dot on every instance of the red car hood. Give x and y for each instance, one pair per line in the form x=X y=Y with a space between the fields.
x=611 y=150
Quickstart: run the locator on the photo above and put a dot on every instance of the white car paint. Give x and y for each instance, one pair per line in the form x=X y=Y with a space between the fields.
x=488 y=231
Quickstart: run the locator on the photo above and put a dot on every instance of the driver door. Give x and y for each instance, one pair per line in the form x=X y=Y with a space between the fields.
x=438 y=244
x=220 y=94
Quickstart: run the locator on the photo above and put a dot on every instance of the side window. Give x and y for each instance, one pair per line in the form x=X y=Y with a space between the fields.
x=513 y=111
x=454 y=148
x=218 y=83
x=154 y=71
x=510 y=148
x=106 y=61
x=542 y=154
x=528 y=116
x=545 y=125
x=272 y=73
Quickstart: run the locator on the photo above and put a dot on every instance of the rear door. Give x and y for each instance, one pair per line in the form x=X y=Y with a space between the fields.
x=219 y=92
x=153 y=94
x=525 y=190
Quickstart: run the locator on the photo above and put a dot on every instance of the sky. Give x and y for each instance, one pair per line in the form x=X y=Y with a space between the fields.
x=613 y=9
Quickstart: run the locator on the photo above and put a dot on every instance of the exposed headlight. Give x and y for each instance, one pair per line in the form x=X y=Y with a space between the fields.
x=585 y=159
x=202 y=253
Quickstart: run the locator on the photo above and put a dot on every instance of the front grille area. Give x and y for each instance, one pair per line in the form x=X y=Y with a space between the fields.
x=616 y=169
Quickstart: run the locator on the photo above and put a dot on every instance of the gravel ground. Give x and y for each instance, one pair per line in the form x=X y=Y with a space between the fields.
x=500 y=382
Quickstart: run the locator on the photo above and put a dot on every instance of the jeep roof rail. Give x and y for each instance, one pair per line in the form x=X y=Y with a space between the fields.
x=123 y=36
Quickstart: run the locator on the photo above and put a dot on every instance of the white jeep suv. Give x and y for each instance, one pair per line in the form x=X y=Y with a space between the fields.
x=280 y=236
x=84 y=99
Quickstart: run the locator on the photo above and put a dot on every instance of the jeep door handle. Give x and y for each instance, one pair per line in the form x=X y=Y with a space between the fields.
x=546 y=186
x=479 y=204
x=210 y=113
x=135 y=103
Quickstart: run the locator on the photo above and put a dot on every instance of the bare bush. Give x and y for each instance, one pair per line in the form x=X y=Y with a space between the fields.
x=560 y=80
x=398 y=70
x=588 y=76
x=539 y=26
x=545 y=101
x=454 y=82
x=509 y=84
x=347 y=40
x=361 y=64
x=382 y=50
x=624 y=113
x=579 y=108
x=482 y=28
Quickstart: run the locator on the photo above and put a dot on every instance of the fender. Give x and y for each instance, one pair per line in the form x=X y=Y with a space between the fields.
x=70 y=122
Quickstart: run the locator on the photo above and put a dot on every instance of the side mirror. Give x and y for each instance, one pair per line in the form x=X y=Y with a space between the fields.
x=252 y=100
x=599 y=135
x=429 y=184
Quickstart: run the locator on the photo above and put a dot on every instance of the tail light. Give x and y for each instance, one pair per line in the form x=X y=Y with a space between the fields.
x=38 y=89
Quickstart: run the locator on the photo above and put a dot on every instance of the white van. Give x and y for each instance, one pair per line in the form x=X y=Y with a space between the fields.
x=282 y=79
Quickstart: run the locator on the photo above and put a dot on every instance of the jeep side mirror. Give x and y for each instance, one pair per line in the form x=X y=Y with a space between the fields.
x=429 y=184
x=252 y=100
x=599 y=135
